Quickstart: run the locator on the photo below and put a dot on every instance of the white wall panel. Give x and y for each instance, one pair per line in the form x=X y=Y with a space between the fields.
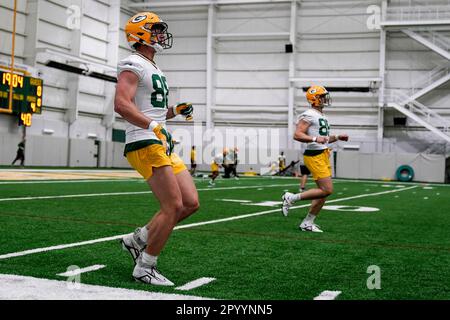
x=54 y=35
x=93 y=48
x=244 y=62
x=90 y=103
x=6 y=41
x=191 y=79
x=257 y=79
x=197 y=96
x=53 y=13
x=97 y=10
x=95 y=28
x=257 y=97
x=54 y=97
x=338 y=61
x=187 y=62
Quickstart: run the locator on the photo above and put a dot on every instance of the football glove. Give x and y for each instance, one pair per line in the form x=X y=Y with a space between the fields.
x=185 y=109
x=163 y=135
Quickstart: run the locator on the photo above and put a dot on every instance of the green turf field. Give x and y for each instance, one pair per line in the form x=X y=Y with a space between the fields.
x=261 y=256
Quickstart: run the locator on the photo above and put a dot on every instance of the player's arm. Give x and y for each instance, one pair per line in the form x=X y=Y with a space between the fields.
x=302 y=136
x=170 y=114
x=127 y=84
x=334 y=138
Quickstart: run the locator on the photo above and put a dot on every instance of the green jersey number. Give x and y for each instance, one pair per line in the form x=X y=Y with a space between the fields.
x=160 y=89
x=324 y=128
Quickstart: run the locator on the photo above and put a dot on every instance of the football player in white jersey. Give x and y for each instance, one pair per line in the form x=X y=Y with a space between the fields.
x=141 y=99
x=313 y=129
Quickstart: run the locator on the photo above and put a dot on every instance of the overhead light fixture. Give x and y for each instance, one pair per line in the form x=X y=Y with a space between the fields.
x=351 y=147
x=92 y=135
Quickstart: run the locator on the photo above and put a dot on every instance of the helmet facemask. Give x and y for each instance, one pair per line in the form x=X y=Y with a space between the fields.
x=324 y=100
x=160 y=39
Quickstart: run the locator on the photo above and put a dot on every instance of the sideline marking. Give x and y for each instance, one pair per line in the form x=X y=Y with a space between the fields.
x=77 y=244
x=81 y=195
x=328 y=295
x=71 y=181
x=29 y=288
x=195 y=284
x=82 y=270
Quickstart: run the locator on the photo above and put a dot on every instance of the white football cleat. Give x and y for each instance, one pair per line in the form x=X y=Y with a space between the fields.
x=286 y=204
x=149 y=274
x=133 y=244
x=311 y=227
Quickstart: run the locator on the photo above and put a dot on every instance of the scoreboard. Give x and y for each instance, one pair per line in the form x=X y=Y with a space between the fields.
x=27 y=96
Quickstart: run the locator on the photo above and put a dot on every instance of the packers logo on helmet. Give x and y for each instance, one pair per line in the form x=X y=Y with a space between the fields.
x=318 y=96
x=148 y=29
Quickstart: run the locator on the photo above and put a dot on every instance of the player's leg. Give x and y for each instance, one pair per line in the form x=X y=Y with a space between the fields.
x=164 y=186
x=308 y=222
x=17 y=158
x=189 y=194
x=320 y=168
x=303 y=181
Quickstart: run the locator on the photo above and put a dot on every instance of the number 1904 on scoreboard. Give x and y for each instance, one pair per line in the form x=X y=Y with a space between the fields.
x=27 y=96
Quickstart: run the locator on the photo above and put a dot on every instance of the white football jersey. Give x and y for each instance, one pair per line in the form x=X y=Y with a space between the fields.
x=318 y=127
x=151 y=95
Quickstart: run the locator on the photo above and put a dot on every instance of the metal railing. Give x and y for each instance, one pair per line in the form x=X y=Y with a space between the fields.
x=414 y=106
x=417 y=13
x=429 y=78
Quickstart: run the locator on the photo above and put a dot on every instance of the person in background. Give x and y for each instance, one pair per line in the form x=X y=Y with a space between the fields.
x=20 y=153
x=235 y=154
x=304 y=171
x=281 y=162
x=193 y=161
x=228 y=162
x=215 y=165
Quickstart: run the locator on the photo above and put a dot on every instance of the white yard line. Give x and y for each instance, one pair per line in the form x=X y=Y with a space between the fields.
x=29 y=288
x=328 y=295
x=393 y=182
x=82 y=195
x=234 y=200
x=195 y=284
x=82 y=270
x=185 y=226
x=69 y=170
x=71 y=181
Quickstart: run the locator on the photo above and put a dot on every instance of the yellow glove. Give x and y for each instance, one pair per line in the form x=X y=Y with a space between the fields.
x=162 y=134
x=185 y=108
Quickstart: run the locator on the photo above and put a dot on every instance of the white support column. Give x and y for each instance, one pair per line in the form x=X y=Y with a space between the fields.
x=73 y=82
x=382 y=70
x=210 y=50
x=292 y=64
x=73 y=79
x=112 y=55
x=31 y=30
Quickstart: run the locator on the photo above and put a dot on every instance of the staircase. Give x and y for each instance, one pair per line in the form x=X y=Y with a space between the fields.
x=418 y=112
